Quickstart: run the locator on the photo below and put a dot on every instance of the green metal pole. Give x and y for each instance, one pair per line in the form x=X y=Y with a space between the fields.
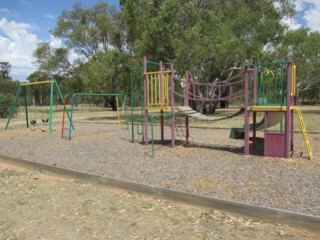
x=13 y=106
x=62 y=99
x=132 y=100
x=142 y=101
x=26 y=105
x=91 y=94
x=125 y=110
x=131 y=104
x=99 y=94
x=152 y=138
x=153 y=63
x=51 y=104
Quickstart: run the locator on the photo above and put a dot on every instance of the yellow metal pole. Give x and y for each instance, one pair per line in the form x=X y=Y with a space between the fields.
x=158 y=72
x=35 y=83
x=166 y=90
x=151 y=101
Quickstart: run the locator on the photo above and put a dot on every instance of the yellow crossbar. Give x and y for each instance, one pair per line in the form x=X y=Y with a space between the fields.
x=159 y=72
x=36 y=83
x=268 y=108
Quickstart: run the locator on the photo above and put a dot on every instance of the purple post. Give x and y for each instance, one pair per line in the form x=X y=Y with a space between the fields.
x=187 y=129
x=291 y=131
x=186 y=89
x=161 y=101
x=288 y=110
x=172 y=106
x=145 y=92
x=255 y=74
x=254 y=130
x=292 y=103
x=186 y=103
x=246 y=113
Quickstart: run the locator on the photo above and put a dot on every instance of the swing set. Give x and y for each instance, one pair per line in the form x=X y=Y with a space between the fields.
x=23 y=90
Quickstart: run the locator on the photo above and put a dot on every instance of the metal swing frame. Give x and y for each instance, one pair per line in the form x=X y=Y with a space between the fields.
x=23 y=89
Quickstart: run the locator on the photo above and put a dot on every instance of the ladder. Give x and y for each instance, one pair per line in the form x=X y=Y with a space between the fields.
x=304 y=131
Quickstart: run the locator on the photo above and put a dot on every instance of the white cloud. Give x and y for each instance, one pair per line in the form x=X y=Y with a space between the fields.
x=299 y=5
x=292 y=23
x=55 y=42
x=310 y=10
x=50 y=16
x=17 y=43
x=24 y=2
x=4 y=10
x=312 y=16
x=7 y=12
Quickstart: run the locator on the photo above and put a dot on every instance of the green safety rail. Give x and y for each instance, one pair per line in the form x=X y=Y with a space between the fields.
x=134 y=73
x=267 y=84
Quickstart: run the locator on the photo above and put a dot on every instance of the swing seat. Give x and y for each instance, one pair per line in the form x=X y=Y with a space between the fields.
x=45 y=120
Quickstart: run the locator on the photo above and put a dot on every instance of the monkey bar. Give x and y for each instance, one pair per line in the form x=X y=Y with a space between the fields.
x=73 y=97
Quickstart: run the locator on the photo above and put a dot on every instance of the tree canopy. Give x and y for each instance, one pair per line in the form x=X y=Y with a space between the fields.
x=101 y=43
x=8 y=88
x=303 y=47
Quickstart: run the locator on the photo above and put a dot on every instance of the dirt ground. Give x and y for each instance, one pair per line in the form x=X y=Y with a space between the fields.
x=41 y=206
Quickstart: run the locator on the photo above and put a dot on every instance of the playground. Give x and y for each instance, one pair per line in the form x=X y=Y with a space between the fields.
x=211 y=164
x=160 y=145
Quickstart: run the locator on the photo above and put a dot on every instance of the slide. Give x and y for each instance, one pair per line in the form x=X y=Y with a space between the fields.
x=273 y=119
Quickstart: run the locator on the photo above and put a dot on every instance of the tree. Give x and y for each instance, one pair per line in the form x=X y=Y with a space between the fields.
x=8 y=85
x=39 y=93
x=302 y=46
x=92 y=38
x=107 y=71
x=8 y=89
x=5 y=69
x=206 y=37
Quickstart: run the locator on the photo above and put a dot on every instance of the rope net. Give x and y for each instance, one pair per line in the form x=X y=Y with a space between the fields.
x=218 y=90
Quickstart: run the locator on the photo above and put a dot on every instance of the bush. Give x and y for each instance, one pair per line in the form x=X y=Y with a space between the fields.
x=5 y=105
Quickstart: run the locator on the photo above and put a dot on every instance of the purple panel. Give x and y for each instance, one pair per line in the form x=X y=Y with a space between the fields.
x=274 y=144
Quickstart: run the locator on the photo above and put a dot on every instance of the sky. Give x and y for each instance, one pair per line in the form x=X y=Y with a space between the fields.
x=25 y=23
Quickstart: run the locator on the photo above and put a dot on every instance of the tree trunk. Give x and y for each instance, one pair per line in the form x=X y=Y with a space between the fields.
x=110 y=101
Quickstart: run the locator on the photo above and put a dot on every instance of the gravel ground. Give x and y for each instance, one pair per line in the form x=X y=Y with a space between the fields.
x=212 y=164
x=42 y=206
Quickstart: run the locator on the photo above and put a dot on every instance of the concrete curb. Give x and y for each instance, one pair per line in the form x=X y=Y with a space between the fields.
x=308 y=222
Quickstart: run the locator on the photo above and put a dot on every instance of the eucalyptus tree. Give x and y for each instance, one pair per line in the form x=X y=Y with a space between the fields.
x=5 y=68
x=8 y=85
x=90 y=37
x=303 y=47
x=8 y=89
x=206 y=37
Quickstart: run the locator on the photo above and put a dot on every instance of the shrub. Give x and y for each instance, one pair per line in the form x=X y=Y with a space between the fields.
x=5 y=105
